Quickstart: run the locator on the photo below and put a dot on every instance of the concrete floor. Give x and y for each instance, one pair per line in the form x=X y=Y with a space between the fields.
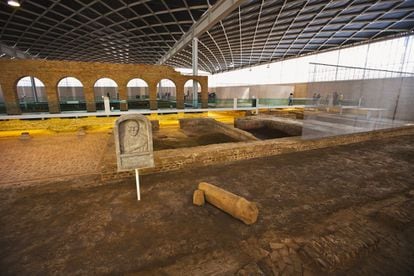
x=340 y=210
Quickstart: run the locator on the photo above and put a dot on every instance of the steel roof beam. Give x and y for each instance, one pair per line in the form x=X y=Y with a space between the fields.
x=211 y=17
x=13 y=52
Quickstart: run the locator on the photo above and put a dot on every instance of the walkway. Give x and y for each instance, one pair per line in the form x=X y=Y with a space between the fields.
x=79 y=114
x=51 y=156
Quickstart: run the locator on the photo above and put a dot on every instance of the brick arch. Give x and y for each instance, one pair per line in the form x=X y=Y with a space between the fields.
x=60 y=78
x=202 y=81
x=167 y=96
x=40 y=97
x=16 y=81
x=133 y=78
x=95 y=79
x=113 y=96
x=166 y=78
x=74 y=103
x=50 y=72
x=191 y=79
x=139 y=102
x=185 y=89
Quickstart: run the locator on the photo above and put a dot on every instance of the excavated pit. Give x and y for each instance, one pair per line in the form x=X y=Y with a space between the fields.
x=176 y=138
x=197 y=132
x=265 y=127
x=265 y=133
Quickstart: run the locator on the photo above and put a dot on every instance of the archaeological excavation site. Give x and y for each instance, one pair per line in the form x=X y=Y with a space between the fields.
x=207 y=137
x=279 y=203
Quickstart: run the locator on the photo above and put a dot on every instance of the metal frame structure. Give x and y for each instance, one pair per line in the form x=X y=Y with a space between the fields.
x=264 y=31
x=231 y=34
x=121 y=31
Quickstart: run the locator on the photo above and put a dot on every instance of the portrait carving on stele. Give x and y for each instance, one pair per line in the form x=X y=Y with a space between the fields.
x=133 y=142
x=133 y=137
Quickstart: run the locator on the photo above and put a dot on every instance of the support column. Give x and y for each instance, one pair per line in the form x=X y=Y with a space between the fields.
x=52 y=97
x=89 y=93
x=195 y=71
x=123 y=97
x=11 y=100
x=152 y=89
x=204 y=96
x=180 y=95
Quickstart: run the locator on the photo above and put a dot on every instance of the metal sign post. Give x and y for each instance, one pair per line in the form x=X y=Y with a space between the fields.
x=137 y=181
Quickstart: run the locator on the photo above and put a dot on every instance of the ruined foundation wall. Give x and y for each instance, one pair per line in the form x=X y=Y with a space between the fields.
x=169 y=160
x=202 y=123
x=207 y=155
x=289 y=126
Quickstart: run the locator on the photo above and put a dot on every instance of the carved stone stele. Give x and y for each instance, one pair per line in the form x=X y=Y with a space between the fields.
x=133 y=142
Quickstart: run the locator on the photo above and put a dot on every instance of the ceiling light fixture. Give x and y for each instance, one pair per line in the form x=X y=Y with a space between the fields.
x=13 y=3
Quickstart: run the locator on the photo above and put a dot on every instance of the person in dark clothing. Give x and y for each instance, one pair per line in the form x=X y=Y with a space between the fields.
x=290 y=99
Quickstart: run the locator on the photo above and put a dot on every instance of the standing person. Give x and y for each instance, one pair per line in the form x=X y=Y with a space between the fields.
x=318 y=99
x=290 y=99
x=335 y=98
x=327 y=99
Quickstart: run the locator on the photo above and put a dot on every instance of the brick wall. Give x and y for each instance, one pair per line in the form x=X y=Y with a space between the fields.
x=169 y=160
x=51 y=72
x=196 y=124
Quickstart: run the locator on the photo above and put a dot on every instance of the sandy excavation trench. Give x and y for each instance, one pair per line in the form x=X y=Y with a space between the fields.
x=205 y=131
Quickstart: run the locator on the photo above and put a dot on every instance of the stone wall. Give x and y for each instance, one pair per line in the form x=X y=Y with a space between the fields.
x=289 y=126
x=51 y=72
x=198 y=124
x=169 y=160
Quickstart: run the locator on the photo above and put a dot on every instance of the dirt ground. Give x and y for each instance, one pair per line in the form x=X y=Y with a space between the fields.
x=265 y=133
x=174 y=138
x=346 y=210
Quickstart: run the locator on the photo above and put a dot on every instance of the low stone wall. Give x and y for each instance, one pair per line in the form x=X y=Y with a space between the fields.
x=203 y=123
x=155 y=124
x=169 y=160
x=289 y=126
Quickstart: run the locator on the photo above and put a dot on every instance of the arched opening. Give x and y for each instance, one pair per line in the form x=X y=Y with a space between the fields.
x=166 y=94
x=2 y=104
x=71 y=95
x=106 y=87
x=138 y=94
x=191 y=88
x=32 y=95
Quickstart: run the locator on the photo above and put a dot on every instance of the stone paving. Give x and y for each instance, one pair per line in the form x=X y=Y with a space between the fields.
x=351 y=242
x=43 y=157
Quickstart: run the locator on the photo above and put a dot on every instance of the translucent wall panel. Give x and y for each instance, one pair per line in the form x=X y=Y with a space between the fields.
x=137 y=89
x=188 y=89
x=27 y=92
x=70 y=89
x=350 y=106
x=392 y=55
x=105 y=87
x=166 y=89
